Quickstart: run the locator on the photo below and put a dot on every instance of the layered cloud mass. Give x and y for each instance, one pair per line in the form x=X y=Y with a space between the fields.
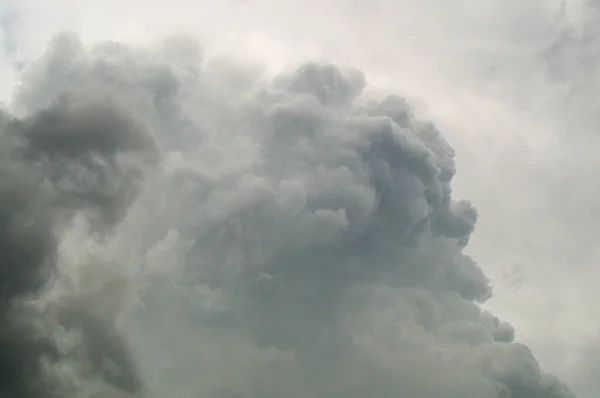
x=174 y=226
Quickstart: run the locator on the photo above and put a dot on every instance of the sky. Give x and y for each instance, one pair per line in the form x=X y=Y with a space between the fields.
x=509 y=86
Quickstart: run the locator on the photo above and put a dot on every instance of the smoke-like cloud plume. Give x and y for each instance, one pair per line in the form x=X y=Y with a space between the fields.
x=77 y=156
x=298 y=238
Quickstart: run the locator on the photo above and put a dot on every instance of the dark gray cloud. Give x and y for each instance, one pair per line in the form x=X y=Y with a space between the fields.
x=298 y=239
x=55 y=164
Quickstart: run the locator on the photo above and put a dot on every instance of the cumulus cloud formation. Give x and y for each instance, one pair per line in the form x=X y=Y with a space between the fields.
x=292 y=237
x=59 y=162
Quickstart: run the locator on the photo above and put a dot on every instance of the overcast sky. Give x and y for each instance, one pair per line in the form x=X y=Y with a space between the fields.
x=510 y=84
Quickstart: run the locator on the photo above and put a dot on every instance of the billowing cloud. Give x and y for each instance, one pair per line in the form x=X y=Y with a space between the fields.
x=297 y=239
x=75 y=157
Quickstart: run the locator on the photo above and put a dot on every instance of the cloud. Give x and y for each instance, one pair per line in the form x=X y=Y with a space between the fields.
x=297 y=238
x=56 y=163
x=571 y=63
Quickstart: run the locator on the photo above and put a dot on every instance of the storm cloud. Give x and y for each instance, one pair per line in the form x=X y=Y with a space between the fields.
x=297 y=238
x=58 y=163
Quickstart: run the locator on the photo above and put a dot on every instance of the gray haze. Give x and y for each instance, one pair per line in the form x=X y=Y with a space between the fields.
x=298 y=238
